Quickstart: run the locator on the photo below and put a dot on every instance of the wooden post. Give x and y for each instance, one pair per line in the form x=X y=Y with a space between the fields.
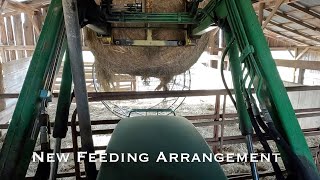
x=301 y=71
x=273 y=12
x=37 y=18
x=44 y=13
x=17 y=22
x=2 y=101
x=216 y=127
x=28 y=34
x=3 y=55
x=222 y=123
x=10 y=38
x=295 y=69
x=3 y=40
x=261 y=16
x=301 y=76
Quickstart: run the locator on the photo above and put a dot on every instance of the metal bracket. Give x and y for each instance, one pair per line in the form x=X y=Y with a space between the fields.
x=157 y=111
x=246 y=52
x=46 y=95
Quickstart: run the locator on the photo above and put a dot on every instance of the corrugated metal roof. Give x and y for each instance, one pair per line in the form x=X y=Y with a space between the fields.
x=302 y=23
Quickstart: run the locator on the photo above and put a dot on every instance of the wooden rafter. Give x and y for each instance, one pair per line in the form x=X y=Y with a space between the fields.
x=294 y=31
x=270 y=3
x=21 y=6
x=28 y=10
x=295 y=20
x=274 y=10
x=35 y=5
x=272 y=36
x=260 y=12
x=289 y=37
x=3 y=5
x=304 y=9
x=302 y=53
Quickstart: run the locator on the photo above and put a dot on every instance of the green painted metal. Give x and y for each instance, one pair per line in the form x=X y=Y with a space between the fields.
x=245 y=28
x=274 y=96
x=159 y=18
x=208 y=17
x=18 y=145
x=263 y=73
x=244 y=120
x=152 y=135
x=64 y=101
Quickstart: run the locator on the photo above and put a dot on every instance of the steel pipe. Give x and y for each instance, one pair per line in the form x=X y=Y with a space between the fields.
x=77 y=68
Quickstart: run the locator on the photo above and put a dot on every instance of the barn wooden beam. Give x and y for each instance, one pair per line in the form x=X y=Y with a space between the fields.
x=298 y=57
x=3 y=39
x=35 y=5
x=20 y=6
x=37 y=23
x=10 y=36
x=304 y=9
x=301 y=71
x=28 y=10
x=260 y=12
x=270 y=3
x=295 y=20
x=274 y=10
x=312 y=65
x=29 y=47
x=285 y=48
x=3 y=5
x=2 y=90
x=289 y=37
x=28 y=33
x=18 y=33
x=34 y=23
x=294 y=31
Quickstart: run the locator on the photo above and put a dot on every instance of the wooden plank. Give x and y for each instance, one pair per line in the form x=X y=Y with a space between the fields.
x=273 y=12
x=260 y=12
x=30 y=47
x=269 y=3
x=304 y=9
x=3 y=40
x=37 y=18
x=2 y=101
x=294 y=31
x=10 y=38
x=21 y=7
x=289 y=37
x=298 y=57
x=12 y=47
x=3 y=55
x=28 y=34
x=44 y=13
x=17 y=22
x=312 y=65
x=295 y=20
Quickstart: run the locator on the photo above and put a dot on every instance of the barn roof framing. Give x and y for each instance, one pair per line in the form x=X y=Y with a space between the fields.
x=300 y=36
x=285 y=17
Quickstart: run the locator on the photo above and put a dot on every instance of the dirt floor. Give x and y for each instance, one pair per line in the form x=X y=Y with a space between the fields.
x=191 y=106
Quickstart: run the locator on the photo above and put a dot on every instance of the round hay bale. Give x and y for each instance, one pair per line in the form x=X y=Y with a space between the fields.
x=159 y=62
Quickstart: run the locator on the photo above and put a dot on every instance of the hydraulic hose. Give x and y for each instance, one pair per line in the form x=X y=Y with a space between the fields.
x=222 y=73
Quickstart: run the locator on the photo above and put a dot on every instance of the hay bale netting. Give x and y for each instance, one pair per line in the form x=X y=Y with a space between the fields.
x=158 y=62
